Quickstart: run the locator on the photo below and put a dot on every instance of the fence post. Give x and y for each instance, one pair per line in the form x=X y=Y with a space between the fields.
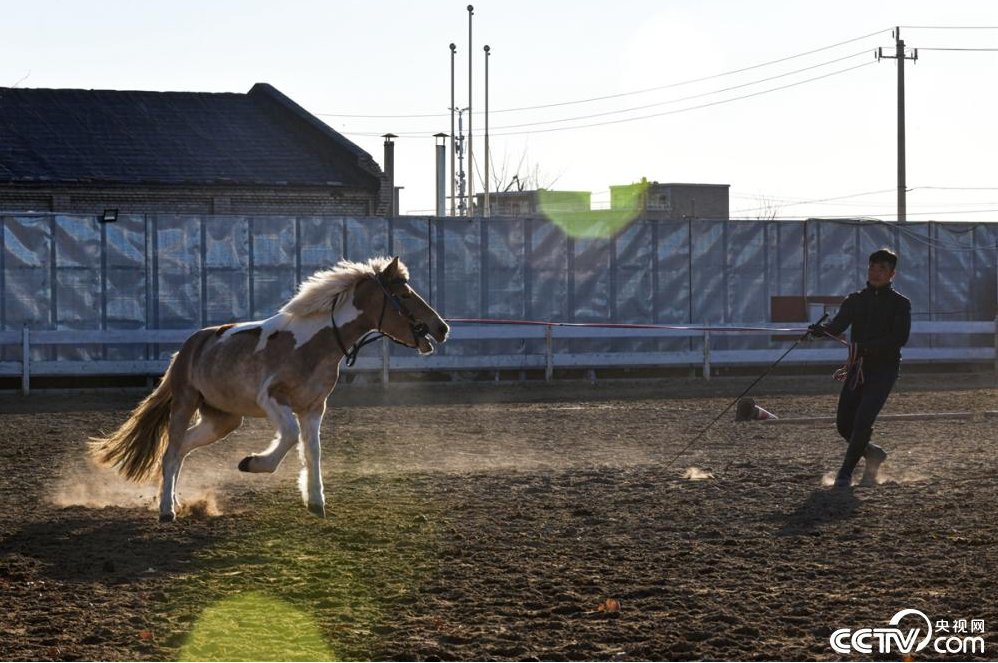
x=25 y=360
x=548 y=354
x=996 y=347
x=706 y=352
x=384 y=362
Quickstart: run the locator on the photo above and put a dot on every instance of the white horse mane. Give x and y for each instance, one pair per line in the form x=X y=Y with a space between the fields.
x=318 y=293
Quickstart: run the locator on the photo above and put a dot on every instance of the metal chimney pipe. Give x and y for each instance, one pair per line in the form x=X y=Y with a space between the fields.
x=390 y=173
x=441 y=149
x=486 y=212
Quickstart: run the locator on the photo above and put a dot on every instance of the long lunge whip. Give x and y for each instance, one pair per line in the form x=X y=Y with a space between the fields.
x=759 y=379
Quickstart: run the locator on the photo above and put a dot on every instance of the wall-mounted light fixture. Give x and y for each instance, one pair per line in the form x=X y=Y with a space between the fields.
x=109 y=216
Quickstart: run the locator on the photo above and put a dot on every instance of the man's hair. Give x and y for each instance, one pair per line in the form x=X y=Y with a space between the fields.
x=885 y=256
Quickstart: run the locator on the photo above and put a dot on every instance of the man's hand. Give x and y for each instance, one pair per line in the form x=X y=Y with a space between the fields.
x=816 y=331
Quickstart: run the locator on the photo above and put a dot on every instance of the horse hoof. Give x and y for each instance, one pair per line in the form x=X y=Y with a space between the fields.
x=167 y=517
x=244 y=464
x=317 y=509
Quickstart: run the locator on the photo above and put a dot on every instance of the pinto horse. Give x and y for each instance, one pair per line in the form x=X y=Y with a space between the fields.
x=282 y=368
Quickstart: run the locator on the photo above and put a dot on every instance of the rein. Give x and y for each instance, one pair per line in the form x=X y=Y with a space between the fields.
x=418 y=328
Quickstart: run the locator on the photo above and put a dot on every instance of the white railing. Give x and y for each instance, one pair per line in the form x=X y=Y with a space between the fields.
x=548 y=360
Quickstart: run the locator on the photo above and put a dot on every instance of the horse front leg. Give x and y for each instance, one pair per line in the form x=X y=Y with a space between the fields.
x=284 y=420
x=310 y=480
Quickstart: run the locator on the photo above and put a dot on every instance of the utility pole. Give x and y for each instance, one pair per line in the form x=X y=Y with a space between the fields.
x=487 y=187
x=471 y=162
x=899 y=55
x=453 y=136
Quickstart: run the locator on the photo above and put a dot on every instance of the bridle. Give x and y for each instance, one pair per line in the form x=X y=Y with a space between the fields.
x=417 y=328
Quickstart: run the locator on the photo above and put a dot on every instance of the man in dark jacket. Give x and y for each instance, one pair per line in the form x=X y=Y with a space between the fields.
x=881 y=321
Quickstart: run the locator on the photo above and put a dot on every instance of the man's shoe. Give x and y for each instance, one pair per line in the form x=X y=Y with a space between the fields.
x=874 y=457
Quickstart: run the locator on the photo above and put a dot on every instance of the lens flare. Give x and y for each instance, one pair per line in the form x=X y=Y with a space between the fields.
x=255 y=627
x=569 y=210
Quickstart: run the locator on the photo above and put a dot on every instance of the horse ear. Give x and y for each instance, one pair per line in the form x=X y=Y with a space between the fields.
x=393 y=267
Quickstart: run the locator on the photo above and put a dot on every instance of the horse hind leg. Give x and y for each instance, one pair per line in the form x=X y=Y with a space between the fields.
x=212 y=426
x=185 y=404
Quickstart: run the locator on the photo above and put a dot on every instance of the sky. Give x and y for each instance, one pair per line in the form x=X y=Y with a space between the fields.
x=784 y=101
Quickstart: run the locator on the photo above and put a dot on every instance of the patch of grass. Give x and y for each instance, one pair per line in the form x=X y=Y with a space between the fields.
x=285 y=573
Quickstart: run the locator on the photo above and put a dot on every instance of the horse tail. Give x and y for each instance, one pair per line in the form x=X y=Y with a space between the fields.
x=138 y=445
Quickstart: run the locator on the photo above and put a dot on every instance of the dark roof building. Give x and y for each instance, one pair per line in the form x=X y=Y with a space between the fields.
x=80 y=151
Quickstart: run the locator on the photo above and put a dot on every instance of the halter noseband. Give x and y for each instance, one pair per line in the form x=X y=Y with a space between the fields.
x=418 y=328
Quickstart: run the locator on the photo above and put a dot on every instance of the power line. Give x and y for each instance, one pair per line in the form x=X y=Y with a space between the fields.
x=967 y=211
x=950 y=27
x=956 y=188
x=816 y=200
x=687 y=98
x=704 y=78
x=967 y=206
x=783 y=201
x=625 y=94
x=691 y=108
x=869 y=212
x=639 y=117
x=922 y=48
x=787 y=201
x=386 y=117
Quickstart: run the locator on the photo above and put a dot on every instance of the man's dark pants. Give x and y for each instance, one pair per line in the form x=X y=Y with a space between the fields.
x=858 y=409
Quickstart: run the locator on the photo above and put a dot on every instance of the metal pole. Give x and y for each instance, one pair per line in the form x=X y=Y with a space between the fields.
x=25 y=360
x=487 y=53
x=471 y=162
x=385 y=361
x=902 y=202
x=453 y=137
x=706 y=351
x=548 y=353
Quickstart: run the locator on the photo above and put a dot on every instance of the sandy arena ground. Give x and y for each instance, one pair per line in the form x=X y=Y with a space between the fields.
x=485 y=522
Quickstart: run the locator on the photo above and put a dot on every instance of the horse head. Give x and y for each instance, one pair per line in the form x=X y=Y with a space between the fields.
x=405 y=316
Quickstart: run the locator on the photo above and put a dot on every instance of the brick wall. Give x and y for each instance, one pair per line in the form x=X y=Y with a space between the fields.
x=195 y=200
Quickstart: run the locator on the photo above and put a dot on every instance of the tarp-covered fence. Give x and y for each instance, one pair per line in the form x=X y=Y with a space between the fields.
x=186 y=272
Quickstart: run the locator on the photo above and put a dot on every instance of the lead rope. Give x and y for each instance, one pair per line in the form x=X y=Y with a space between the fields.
x=854 y=366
